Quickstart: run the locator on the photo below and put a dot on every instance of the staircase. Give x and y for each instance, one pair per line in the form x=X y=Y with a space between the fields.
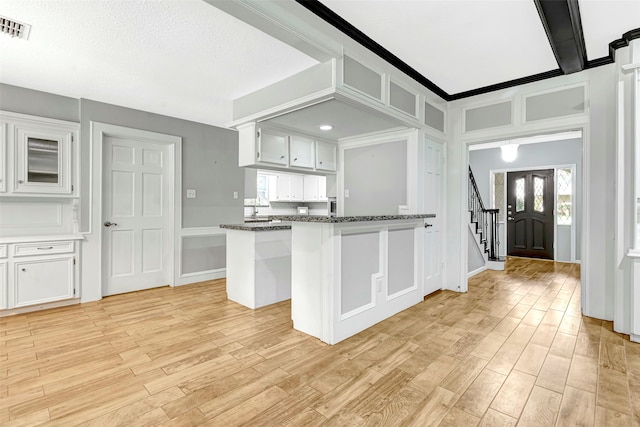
x=483 y=224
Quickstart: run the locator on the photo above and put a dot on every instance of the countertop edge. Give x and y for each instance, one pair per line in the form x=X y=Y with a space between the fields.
x=261 y=227
x=343 y=219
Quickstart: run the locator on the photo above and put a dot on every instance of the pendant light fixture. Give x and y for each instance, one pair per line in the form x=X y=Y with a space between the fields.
x=509 y=152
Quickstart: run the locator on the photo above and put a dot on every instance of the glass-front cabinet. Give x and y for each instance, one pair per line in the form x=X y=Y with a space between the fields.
x=3 y=157
x=636 y=127
x=43 y=161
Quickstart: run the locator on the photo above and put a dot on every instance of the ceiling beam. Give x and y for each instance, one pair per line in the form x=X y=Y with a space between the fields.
x=562 y=23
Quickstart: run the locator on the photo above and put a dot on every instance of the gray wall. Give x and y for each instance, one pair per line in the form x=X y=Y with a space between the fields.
x=27 y=101
x=209 y=160
x=529 y=156
x=376 y=177
x=209 y=153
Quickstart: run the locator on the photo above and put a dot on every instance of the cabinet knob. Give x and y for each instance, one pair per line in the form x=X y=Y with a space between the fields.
x=295 y=160
x=282 y=157
x=321 y=162
x=24 y=269
x=20 y=181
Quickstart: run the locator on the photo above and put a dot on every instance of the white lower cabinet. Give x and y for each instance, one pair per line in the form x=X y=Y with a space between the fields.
x=3 y=285
x=42 y=279
x=38 y=272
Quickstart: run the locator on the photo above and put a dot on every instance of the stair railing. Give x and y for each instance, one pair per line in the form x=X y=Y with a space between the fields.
x=486 y=220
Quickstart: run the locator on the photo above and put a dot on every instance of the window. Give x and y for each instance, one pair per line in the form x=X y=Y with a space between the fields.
x=538 y=194
x=520 y=190
x=498 y=193
x=263 y=190
x=565 y=189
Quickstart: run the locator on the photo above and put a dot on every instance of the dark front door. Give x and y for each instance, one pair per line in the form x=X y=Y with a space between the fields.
x=530 y=214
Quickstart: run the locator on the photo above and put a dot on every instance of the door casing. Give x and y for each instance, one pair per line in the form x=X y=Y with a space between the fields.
x=93 y=246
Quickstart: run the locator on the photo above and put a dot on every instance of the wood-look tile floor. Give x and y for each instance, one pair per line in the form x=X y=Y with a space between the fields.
x=514 y=349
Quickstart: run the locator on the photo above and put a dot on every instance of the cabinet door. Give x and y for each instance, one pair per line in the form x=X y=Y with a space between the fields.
x=296 y=188
x=43 y=279
x=3 y=285
x=282 y=188
x=272 y=147
x=322 y=189
x=311 y=187
x=272 y=188
x=3 y=157
x=325 y=156
x=302 y=152
x=43 y=161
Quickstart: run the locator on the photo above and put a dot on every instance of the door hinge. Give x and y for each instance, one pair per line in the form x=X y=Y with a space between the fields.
x=258 y=134
x=71 y=137
x=71 y=187
x=74 y=291
x=258 y=154
x=74 y=260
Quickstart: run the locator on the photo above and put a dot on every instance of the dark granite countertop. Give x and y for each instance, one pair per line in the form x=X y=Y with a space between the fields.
x=340 y=219
x=258 y=226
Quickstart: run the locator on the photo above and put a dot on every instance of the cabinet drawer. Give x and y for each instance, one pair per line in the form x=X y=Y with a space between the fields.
x=42 y=248
x=3 y=251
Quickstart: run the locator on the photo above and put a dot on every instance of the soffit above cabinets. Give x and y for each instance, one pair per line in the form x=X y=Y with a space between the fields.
x=347 y=120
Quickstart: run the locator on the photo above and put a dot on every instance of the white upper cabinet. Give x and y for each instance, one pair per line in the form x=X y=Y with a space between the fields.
x=326 y=154
x=3 y=157
x=322 y=189
x=37 y=156
x=277 y=149
x=289 y=188
x=42 y=161
x=315 y=188
x=301 y=152
x=296 y=188
x=311 y=188
x=272 y=147
x=282 y=188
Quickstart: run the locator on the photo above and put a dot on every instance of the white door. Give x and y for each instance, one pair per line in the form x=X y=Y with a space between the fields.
x=136 y=215
x=433 y=244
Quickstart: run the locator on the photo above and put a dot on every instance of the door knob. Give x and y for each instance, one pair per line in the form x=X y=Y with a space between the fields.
x=511 y=218
x=109 y=224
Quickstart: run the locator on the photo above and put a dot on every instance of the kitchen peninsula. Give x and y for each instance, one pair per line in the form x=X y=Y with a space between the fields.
x=346 y=273
x=258 y=263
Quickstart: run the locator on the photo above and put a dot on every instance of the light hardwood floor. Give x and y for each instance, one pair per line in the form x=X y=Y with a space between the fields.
x=514 y=349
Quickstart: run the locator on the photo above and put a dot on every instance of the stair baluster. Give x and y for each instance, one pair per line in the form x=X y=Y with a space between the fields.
x=486 y=220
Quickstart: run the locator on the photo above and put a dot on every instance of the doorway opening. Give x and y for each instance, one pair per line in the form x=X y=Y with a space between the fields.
x=538 y=194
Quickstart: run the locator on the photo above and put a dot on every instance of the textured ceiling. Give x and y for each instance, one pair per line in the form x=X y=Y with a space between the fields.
x=188 y=59
x=182 y=58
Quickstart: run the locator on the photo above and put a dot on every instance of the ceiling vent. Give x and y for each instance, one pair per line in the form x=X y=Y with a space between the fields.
x=14 y=28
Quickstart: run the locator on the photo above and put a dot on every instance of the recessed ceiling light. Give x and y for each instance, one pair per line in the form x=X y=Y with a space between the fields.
x=326 y=127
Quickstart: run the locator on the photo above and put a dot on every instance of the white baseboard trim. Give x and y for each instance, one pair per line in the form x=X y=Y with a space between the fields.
x=634 y=337
x=38 y=307
x=495 y=265
x=476 y=271
x=187 y=279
